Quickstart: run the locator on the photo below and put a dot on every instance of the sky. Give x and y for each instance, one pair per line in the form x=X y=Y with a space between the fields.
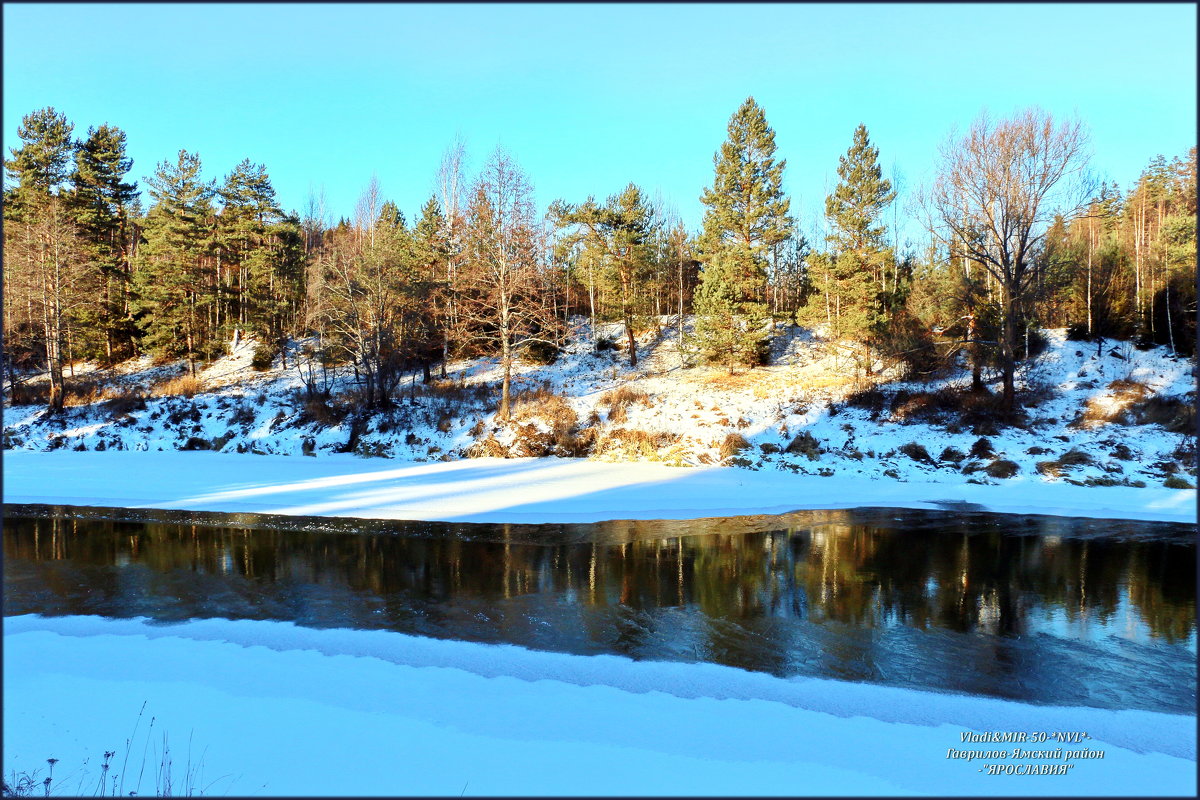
x=590 y=97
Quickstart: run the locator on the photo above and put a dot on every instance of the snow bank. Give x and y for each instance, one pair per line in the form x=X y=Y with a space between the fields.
x=268 y=707
x=530 y=490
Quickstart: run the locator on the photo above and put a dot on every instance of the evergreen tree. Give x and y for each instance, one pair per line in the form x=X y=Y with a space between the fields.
x=101 y=202
x=747 y=215
x=746 y=203
x=619 y=234
x=175 y=290
x=731 y=332
x=859 y=254
x=40 y=167
x=249 y=253
x=432 y=252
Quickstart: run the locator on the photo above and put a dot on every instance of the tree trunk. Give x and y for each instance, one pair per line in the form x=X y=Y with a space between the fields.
x=1008 y=350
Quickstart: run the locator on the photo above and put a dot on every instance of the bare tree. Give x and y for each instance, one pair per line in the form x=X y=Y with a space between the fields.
x=500 y=301
x=997 y=190
x=46 y=272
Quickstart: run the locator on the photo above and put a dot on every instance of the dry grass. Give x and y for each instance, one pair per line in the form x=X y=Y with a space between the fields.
x=619 y=401
x=634 y=443
x=733 y=444
x=1112 y=406
x=543 y=404
x=179 y=386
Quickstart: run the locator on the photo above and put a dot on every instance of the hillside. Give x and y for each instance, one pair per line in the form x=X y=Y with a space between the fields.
x=1104 y=414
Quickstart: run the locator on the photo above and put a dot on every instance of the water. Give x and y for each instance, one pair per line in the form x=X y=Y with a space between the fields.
x=1039 y=609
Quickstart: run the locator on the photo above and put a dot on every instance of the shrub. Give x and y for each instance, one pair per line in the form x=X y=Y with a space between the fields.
x=543 y=404
x=124 y=403
x=264 y=355
x=1074 y=458
x=916 y=452
x=196 y=443
x=539 y=353
x=1051 y=469
x=316 y=410
x=1176 y=482
x=804 y=444
x=1077 y=332
x=768 y=448
x=1122 y=452
x=982 y=448
x=1175 y=414
x=605 y=343
x=1002 y=468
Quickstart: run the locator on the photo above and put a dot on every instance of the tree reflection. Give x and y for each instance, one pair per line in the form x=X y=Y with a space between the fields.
x=838 y=597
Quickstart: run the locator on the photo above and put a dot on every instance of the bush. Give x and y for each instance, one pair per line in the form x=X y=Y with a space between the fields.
x=1077 y=332
x=952 y=454
x=539 y=353
x=804 y=444
x=605 y=343
x=916 y=452
x=1002 y=468
x=982 y=448
x=1051 y=469
x=1122 y=452
x=197 y=443
x=1074 y=458
x=264 y=355
x=1175 y=414
x=1176 y=482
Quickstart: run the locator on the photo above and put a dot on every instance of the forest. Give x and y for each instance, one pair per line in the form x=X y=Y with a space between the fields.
x=1018 y=237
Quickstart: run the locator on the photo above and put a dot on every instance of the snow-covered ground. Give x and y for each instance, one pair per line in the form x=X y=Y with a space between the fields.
x=1086 y=419
x=269 y=708
x=528 y=490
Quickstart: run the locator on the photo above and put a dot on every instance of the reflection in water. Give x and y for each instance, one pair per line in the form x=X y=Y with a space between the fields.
x=1032 y=608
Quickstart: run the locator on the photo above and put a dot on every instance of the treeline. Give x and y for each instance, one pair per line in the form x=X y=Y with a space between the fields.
x=1017 y=239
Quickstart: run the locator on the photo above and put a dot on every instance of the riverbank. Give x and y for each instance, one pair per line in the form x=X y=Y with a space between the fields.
x=528 y=490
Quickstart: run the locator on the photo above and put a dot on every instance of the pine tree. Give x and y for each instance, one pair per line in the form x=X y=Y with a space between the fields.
x=746 y=203
x=40 y=167
x=860 y=255
x=174 y=288
x=618 y=234
x=432 y=252
x=747 y=215
x=101 y=203
x=731 y=329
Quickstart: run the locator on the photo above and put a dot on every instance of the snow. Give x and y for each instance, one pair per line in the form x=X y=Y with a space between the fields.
x=529 y=490
x=691 y=411
x=258 y=707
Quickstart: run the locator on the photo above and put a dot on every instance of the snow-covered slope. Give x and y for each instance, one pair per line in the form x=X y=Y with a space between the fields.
x=1102 y=414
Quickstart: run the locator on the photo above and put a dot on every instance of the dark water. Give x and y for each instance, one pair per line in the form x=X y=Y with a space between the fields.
x=1040 y=609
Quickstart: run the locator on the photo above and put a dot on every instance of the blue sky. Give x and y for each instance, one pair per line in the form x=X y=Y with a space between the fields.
x=588 y=98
